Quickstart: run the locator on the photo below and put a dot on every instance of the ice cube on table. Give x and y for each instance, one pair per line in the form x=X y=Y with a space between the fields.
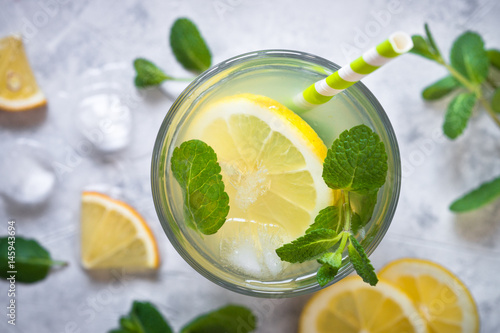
x=27 y=176
x=249 y=248
x=105 y=120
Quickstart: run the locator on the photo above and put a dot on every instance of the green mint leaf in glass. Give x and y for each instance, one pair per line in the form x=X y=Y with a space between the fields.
x=143 y=318
x=333 y=259
x=229 y=319
x=148 y=74
x=30 y=260
x=421 y=47
x=495 y=101
x=308 y=247
x=326 y=274
x=431 y=41
x=188 y=46
x=477 y=198
x=327 y=218
x=360 y=261
x=357 y=161
x=458 y=114
x=440 y=88
x=194 y=165
x=469 y=57
x=494 y=57
x=356 y=223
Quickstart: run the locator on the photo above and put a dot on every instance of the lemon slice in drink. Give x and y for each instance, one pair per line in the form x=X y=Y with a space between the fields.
x=440 y=297
x=352 y=306
x=18 y=88
x=271 y=162
x=114 y=235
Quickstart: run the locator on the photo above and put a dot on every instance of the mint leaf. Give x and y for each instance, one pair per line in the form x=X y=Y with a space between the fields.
x=143 y=318
x=148 y=74
x=194 y=165
x=229 y=319
x=188 y=46
x=440 y=88
x=326 y=274
x=356 y=223
x=469 y=57
x=357 y=161
x=333 y=259
x=327 y=218
x=31 y=261
x=495 y=101
x=421 y=47
x=477 y=198
x=309 y=246
x=360 y=261
x=431 y=42
x=458 y=114
x=494 y=57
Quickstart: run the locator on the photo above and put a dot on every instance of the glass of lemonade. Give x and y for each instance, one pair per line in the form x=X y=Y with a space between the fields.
x=241 y=255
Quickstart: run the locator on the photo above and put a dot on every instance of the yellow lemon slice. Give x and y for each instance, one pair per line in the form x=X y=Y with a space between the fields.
x=440 y=297
x=271 y=162
x=353 y=306
x=18 y=88
x=114 y=235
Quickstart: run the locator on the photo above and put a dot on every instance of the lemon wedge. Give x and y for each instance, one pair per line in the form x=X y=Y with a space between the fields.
x=440 y=297
x=352 y=306
x=271 y=162
x=114 y=235
x=18 y=88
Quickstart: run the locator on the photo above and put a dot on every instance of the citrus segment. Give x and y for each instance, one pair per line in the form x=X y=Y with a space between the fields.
x=114 y=235
x=18 y=88
x=271 y=161
x=440 y=297
x=354 y=306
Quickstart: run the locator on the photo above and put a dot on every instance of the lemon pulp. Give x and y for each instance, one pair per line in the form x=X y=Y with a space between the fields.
x=271 y=163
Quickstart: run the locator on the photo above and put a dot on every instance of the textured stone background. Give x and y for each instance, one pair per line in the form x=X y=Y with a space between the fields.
x=74 y=45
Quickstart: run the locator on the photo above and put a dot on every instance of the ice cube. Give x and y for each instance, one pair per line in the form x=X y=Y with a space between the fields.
x=28 y=178
x=249 y=248
x=106 y=121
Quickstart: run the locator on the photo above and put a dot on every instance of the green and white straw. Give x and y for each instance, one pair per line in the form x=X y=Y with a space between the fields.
x=322 y=91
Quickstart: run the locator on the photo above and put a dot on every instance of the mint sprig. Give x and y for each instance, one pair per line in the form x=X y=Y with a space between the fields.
x=206 y=204
x=31 y=261
x=148 y=74
x=485 y=193
x=356 y=164
x=144 y=317
x=189 y=49
x=470 y=70
x=231 y=318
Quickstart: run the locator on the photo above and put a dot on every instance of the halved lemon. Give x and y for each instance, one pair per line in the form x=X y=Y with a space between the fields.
x=114 y=235
x=351 y=305
x=271 y=161
x=18 y=88
x=440 y=297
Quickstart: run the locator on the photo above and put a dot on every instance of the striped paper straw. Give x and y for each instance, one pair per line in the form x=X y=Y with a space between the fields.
x=323 y=90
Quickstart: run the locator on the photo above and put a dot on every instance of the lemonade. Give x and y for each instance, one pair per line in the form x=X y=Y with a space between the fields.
x=271 y=163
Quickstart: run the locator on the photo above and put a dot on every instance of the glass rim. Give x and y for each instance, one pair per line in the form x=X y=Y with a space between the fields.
x=156 y=161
